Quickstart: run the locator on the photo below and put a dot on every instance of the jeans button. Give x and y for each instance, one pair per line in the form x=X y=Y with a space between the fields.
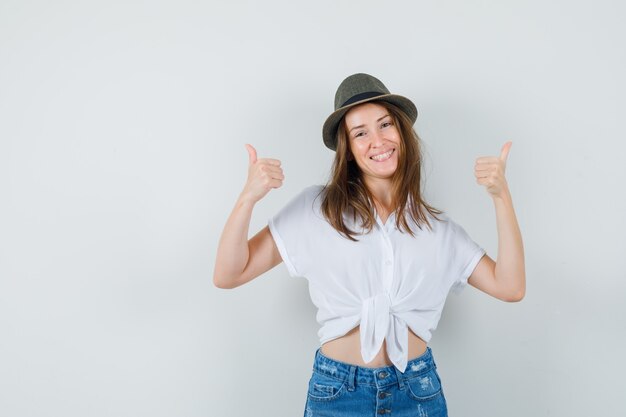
x=383 y=374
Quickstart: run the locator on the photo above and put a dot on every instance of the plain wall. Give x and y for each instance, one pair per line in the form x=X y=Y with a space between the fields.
x=122 y=132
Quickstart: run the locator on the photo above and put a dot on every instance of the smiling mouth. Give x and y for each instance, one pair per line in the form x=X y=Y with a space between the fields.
x=384 y=156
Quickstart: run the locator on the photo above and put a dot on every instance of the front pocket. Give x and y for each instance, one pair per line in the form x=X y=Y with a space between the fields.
x=424 y=387
x=324 y=387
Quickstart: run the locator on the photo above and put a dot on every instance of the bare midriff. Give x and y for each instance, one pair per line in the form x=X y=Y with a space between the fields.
x=347 y=348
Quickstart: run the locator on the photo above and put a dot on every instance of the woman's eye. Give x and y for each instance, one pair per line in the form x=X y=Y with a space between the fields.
x=359 y=134
x=386 y=124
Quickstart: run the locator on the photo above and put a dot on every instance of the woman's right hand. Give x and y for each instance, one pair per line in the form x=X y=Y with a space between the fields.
x=263 y=175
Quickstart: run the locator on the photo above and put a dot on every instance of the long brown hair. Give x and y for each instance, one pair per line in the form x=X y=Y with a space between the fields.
x=346 y=192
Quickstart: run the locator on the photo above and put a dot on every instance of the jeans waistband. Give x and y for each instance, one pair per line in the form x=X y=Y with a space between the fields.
x=380 y=377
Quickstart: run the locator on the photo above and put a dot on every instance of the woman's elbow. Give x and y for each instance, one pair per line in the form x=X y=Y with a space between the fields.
x=517 y=296
x=219 y=284
x=224 y=283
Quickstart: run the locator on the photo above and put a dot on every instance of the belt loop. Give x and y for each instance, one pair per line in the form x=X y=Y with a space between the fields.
x=351 y=378
x=432 y=357
x=400 y=376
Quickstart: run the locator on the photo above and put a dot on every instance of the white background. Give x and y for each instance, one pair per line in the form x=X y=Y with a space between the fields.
x=122 y=132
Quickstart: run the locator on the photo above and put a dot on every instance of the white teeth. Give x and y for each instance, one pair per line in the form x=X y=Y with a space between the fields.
x=382 y=156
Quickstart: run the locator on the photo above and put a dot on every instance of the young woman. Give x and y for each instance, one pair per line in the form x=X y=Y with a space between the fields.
x=379 y=260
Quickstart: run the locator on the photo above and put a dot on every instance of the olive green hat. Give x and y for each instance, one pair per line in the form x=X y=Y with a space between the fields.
x=358 y=89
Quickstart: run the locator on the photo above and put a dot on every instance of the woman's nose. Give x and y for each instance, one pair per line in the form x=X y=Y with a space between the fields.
x=377 y=139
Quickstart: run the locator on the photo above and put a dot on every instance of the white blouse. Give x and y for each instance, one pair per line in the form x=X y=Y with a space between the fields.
x=386 y=281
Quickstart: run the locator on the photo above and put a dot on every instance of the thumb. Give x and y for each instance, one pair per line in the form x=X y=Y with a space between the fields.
x=251 y=154
x=504 y=153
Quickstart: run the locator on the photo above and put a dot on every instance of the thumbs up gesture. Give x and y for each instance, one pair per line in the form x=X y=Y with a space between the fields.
x=489 y=171
x=263 y=175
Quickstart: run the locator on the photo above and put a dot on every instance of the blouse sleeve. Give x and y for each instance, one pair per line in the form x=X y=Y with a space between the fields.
x=288 y=228
x=464 y=255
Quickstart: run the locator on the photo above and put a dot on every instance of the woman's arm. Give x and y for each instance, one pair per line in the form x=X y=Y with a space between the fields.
x=239 y=260
x=510 y=272
x=506 y=278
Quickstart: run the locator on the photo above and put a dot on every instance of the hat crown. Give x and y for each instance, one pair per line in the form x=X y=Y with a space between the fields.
x=357 y=84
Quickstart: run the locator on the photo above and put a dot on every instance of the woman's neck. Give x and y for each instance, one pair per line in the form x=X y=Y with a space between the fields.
x=381 y=191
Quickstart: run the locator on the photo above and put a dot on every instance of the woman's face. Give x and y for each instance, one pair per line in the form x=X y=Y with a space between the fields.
x=374 y=140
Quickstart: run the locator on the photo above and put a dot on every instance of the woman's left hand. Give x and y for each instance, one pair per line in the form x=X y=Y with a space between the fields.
x=489 y=171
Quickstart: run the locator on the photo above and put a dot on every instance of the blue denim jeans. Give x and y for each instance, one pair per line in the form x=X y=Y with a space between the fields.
x=339 y=389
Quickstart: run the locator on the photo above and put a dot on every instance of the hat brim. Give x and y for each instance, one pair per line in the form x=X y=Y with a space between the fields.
x=329 y=130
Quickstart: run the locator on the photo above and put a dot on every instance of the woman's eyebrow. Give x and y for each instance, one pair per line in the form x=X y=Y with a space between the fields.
x=356 y=127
